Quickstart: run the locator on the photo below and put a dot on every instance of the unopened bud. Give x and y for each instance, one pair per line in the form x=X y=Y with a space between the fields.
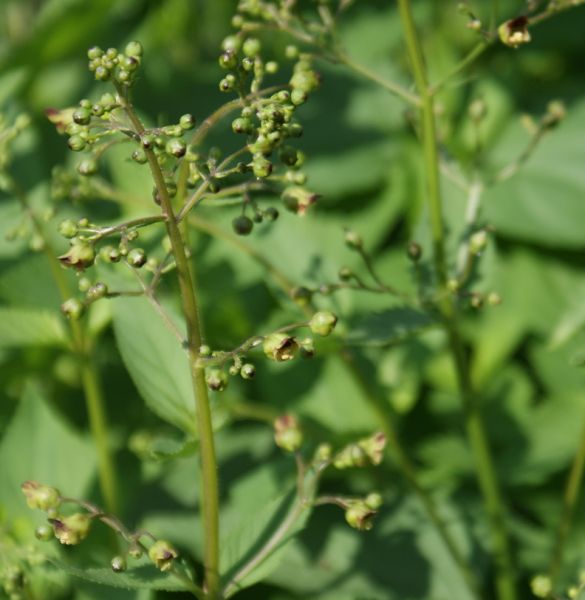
x=414 y=251
x=41 y=496
x=80 y=256
x=541 y=586
x=323 y=323
x=478 y=242
x=298 y=200
x=44 y=533
x=71 y=530
x=216 y=380
x=323 y=452
x=514 y=32
x=118 y=564
x=353 y=240
x=287 y=433
x=359 y=516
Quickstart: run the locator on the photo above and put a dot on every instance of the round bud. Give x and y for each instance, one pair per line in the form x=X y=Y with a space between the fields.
x=123 y=76
x=216 y=380
x=76 y=143
x=228 y=60
x=323 y=322
x=242 y=125
x=97 y=291
x=147 y=140
x=261 y=167
x=176 y=148
x=67 y=228
x=72 y=308
x=477 y=110
x=134 y=49
x=118 y=564
x=252 y=47
x=345 y=274
x=44 y=533
x=373 y=500
x=271 y=213
x=227 y=84
x=102 y=74
x=83 y=284
x=233 y=370
x=136 y=258
x=242 y=225
x=301 y=295
x=94 y=52
x=291 y=52
x=298 y=97
x=109 y=254
x=353 y=240
x=186 y=122
x=414 y=251
x=204 y=350
x=494 y=299
x=232 y=43
x=139 y=156
x=135 y=551
x=248 y=371
x=271 y=67
x=87 y=167
x=82 y=116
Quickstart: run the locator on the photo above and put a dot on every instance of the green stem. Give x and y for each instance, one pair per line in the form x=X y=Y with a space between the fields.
x=569 y=502
x=90 y=379
x=476 y=434
x=209 y=489
x=379 y=406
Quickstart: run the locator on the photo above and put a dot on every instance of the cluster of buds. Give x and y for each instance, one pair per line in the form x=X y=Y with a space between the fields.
x=72 y=529
x=368 y=451
x=121 y=66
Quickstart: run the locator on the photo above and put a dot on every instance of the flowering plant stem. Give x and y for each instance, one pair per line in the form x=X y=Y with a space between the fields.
x=209 y=487
x=476 y=434
x=90 y=379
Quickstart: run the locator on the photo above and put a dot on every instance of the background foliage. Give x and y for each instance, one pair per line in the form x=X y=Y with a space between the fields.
x=526 y=354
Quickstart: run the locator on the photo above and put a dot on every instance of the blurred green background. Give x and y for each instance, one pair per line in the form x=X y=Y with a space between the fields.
x=527 y=354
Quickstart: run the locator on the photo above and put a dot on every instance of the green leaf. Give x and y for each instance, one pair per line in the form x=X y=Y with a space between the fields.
x=39 y=445
x=543 y=202
x=140 y=575
x=29 y=327
x=242 y=547
x=156 y=362
x=389 y=327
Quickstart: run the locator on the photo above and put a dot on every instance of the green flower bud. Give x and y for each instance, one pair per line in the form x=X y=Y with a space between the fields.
x=139 y=156
x=44 y=533
x=301 y=295
x=477 y=110
x=123 y=76
x=71 y=530
x=291 y=52
x=298 y=97
x=242 y=225
x=323 y=322
x=556 y=112
x=102 y=73
x=289 y=156
x=176 y=148
x=94 y=52
x=228 y=60
x=248 y=371
x=261 y=166
x=82 y=116
x=280 y=347
x=227 y=84
x=87 y=167
x=232 y=43
x=541 y=586
x=242 y=125
x=109 y=254
x=68 y=228
x=494 y=299
x=287 y=433
x=271 y=67
x=478 y=241
x=84 y=284
x=204 y=350
x=373 y=500
x=135 y=551
x=97 y=291
x=353 y=240
x=374 y=447
x=360 y=517
x=134 y=49
x=252 y=47
x=323 y=452
x=80 y=256
x=136 y=258
x=271 y=213
x=233 y=370
x=162 y=554
x=307 y=346
x=187 y=122
x=76 y=143
x=118 y=564
x=40 y=496
x=216 y=379
x=350 y=456
x=73 y=309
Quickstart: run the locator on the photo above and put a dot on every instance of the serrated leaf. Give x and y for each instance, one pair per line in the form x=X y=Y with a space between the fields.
x=156 y=362
x=29 y=327
x=140 y=575
x=389 y=327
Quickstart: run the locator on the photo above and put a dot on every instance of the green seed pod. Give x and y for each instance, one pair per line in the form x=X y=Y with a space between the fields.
x=252 y=47
x=76 y=143
x=68 y=228
x=82 y=116
x=134 y=49
x=216 y=379
x=233 y=370
x=136 y=258
x=44 y=533
x=176 y=148
x=248 y=371
x=118 y=564
x=87 y=167
x=323 y=322
x=73 y=309
x=280 y=347
x=242 y=225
